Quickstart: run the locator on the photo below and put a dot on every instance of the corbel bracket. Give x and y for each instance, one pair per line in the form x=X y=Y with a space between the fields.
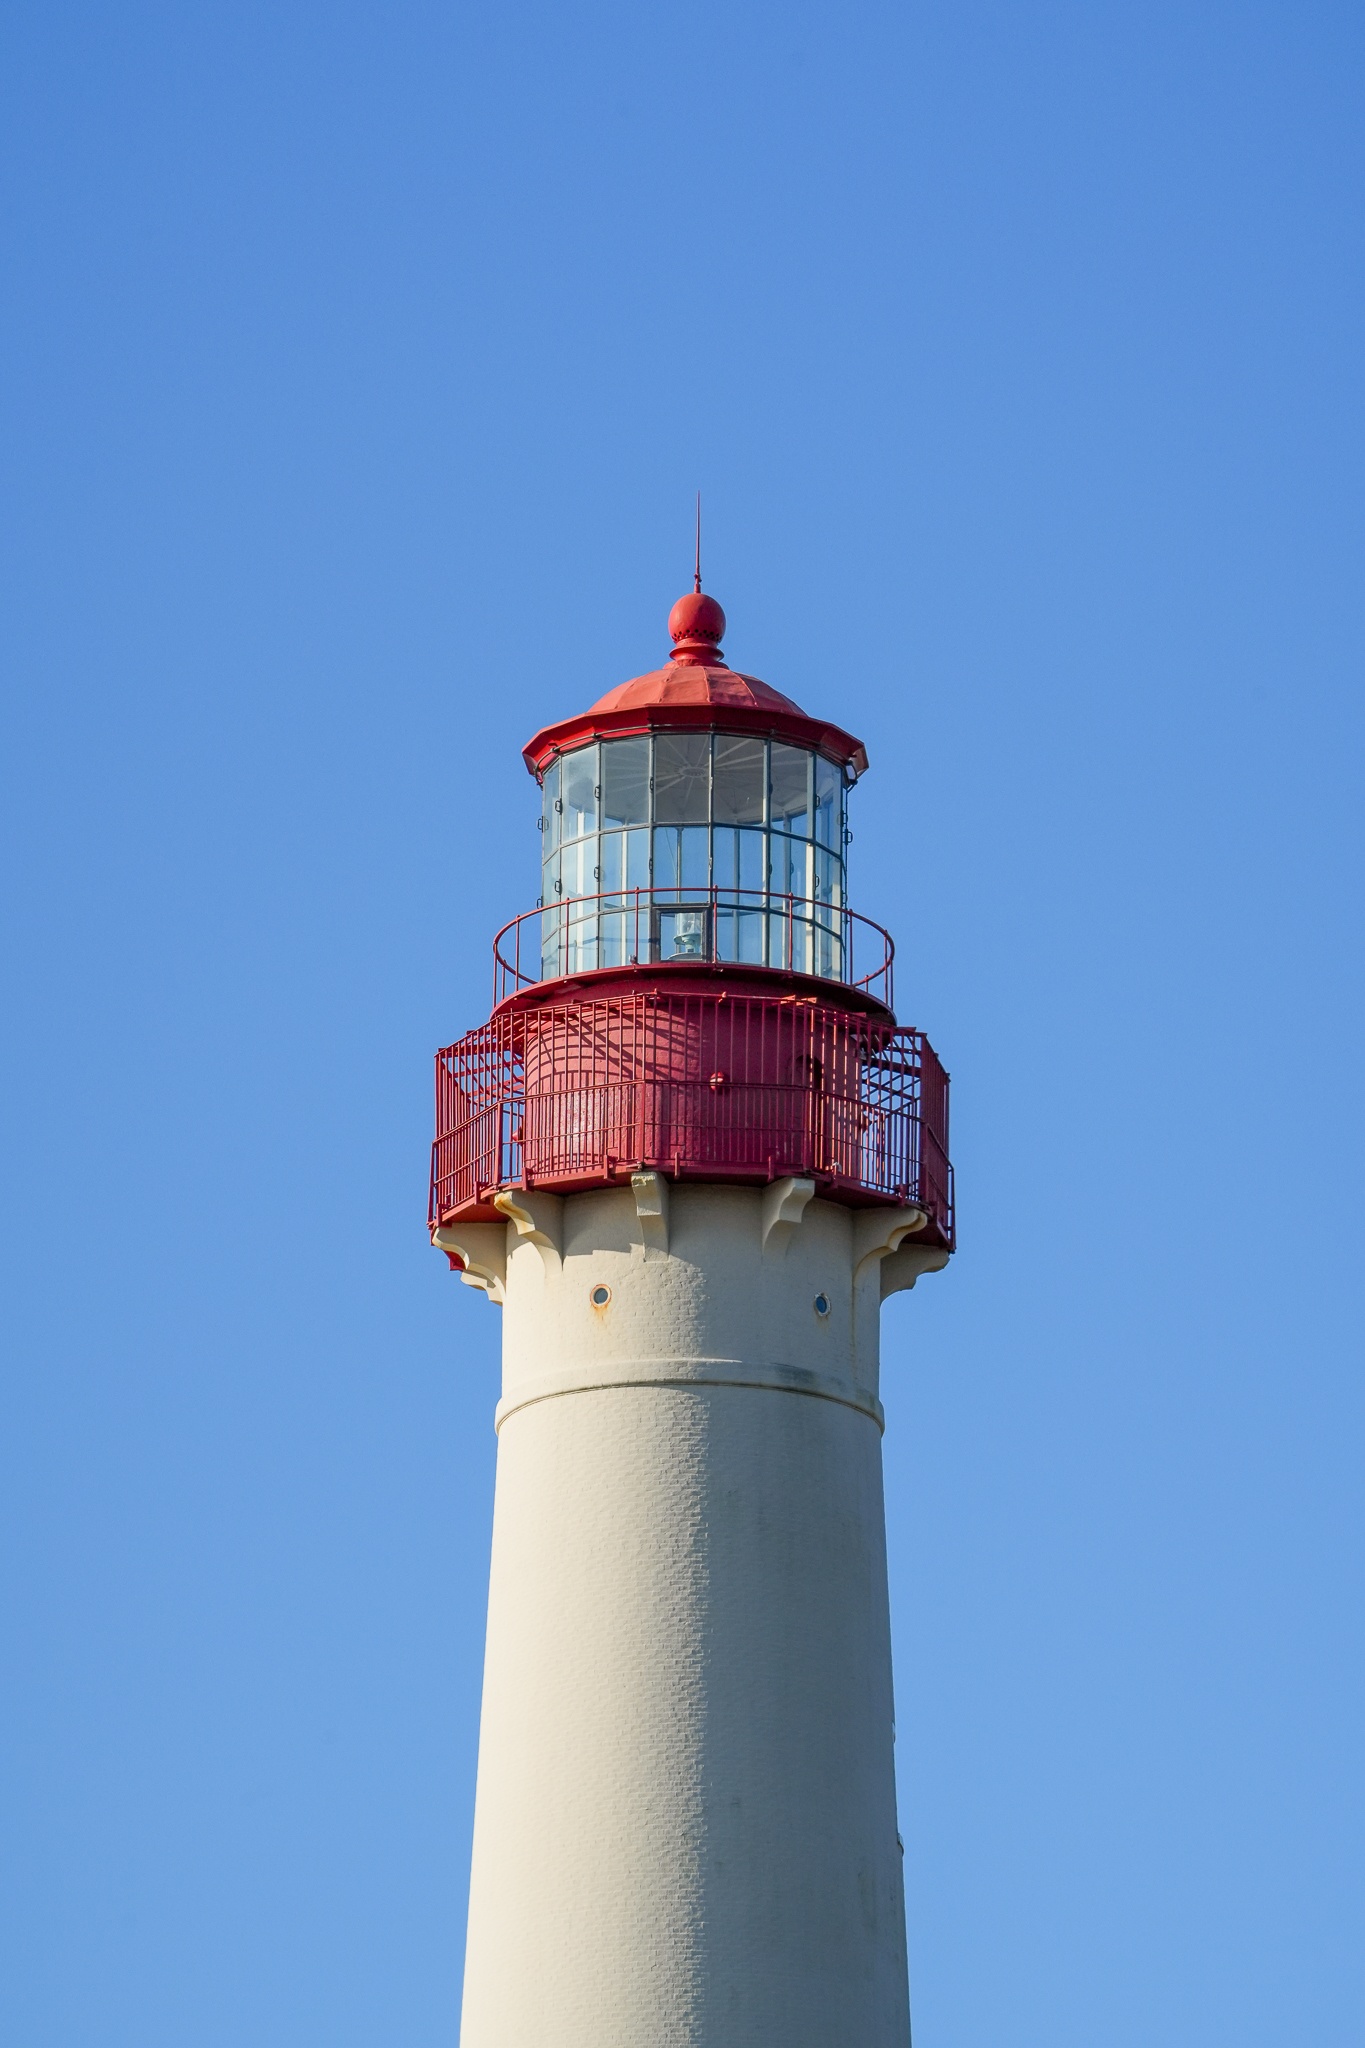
x=880 y=1242
x=651 y=1207
x=478 y=1251
x=879 y=1232
x=901 y=1269
x=784 y=1204
x=538 y=1218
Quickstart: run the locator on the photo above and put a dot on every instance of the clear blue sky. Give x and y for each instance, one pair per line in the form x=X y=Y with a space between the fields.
x=359 y=365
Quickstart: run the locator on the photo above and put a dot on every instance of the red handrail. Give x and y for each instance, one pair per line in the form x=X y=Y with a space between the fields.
x=799 y=930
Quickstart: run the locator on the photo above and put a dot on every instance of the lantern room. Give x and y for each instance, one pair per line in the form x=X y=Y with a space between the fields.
x=694 y=813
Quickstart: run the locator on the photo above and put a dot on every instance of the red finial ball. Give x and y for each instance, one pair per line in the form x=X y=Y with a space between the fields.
x=697 y=624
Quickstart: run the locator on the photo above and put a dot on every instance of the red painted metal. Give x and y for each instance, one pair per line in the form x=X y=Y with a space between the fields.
x=581 y=1094
x=697 y=624
x=679 y=714
x=817 y=941
x=696 y=689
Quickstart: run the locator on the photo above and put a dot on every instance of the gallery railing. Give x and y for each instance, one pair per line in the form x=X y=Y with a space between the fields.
x=639 y=927
x=701 y=1086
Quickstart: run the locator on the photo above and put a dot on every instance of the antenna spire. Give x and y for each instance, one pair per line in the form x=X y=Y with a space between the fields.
x=696 y=581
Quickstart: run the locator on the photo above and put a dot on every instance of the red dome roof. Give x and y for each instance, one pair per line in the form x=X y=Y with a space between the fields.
x=696 y=688
x=712 y=682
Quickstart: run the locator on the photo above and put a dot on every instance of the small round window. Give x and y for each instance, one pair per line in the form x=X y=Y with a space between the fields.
x=600 y=1296
x=822 y=1304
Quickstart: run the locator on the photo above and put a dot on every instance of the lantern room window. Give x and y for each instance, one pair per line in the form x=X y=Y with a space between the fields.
x=578 y=790
x=689 y=846
x=682 y=778
x=790 y=780
x=625 y=783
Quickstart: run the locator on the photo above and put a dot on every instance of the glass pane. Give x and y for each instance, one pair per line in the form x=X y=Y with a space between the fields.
x=667 y=856
x=613 y=862
x=790 y=775
x=581 y=951
x=825 y=888
x=682 y=935
x=550 y=806
x=578 y=863
x=753 y=860
x=613 y=947
x=695 y=857
x=739 y=935
x=738 y=781
x=789 y=858
x=550 y=929
x=829 y=784
x=637 y=859
x=682 y=778
x=635 y=924
x=578 y=790
x=824 y=936
x=725 y=871
x=625 y=782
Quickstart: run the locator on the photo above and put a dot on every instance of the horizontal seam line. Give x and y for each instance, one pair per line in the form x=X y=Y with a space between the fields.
x=759 y=1386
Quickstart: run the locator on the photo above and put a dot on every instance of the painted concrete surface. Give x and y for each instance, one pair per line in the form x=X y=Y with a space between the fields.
x=685 y=1831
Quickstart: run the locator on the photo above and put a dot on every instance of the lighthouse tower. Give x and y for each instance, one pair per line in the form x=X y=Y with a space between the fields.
x=688 y=1157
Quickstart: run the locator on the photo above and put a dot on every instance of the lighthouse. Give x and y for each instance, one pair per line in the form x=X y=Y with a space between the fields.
x=687 y=1158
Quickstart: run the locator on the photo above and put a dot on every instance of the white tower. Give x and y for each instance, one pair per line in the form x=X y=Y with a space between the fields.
x=689 y=1156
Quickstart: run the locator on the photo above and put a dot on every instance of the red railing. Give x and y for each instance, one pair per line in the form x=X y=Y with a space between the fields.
x=706 y=1087
x=630 y=927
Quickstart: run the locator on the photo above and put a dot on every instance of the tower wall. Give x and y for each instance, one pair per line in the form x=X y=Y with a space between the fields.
x=685 y=1829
